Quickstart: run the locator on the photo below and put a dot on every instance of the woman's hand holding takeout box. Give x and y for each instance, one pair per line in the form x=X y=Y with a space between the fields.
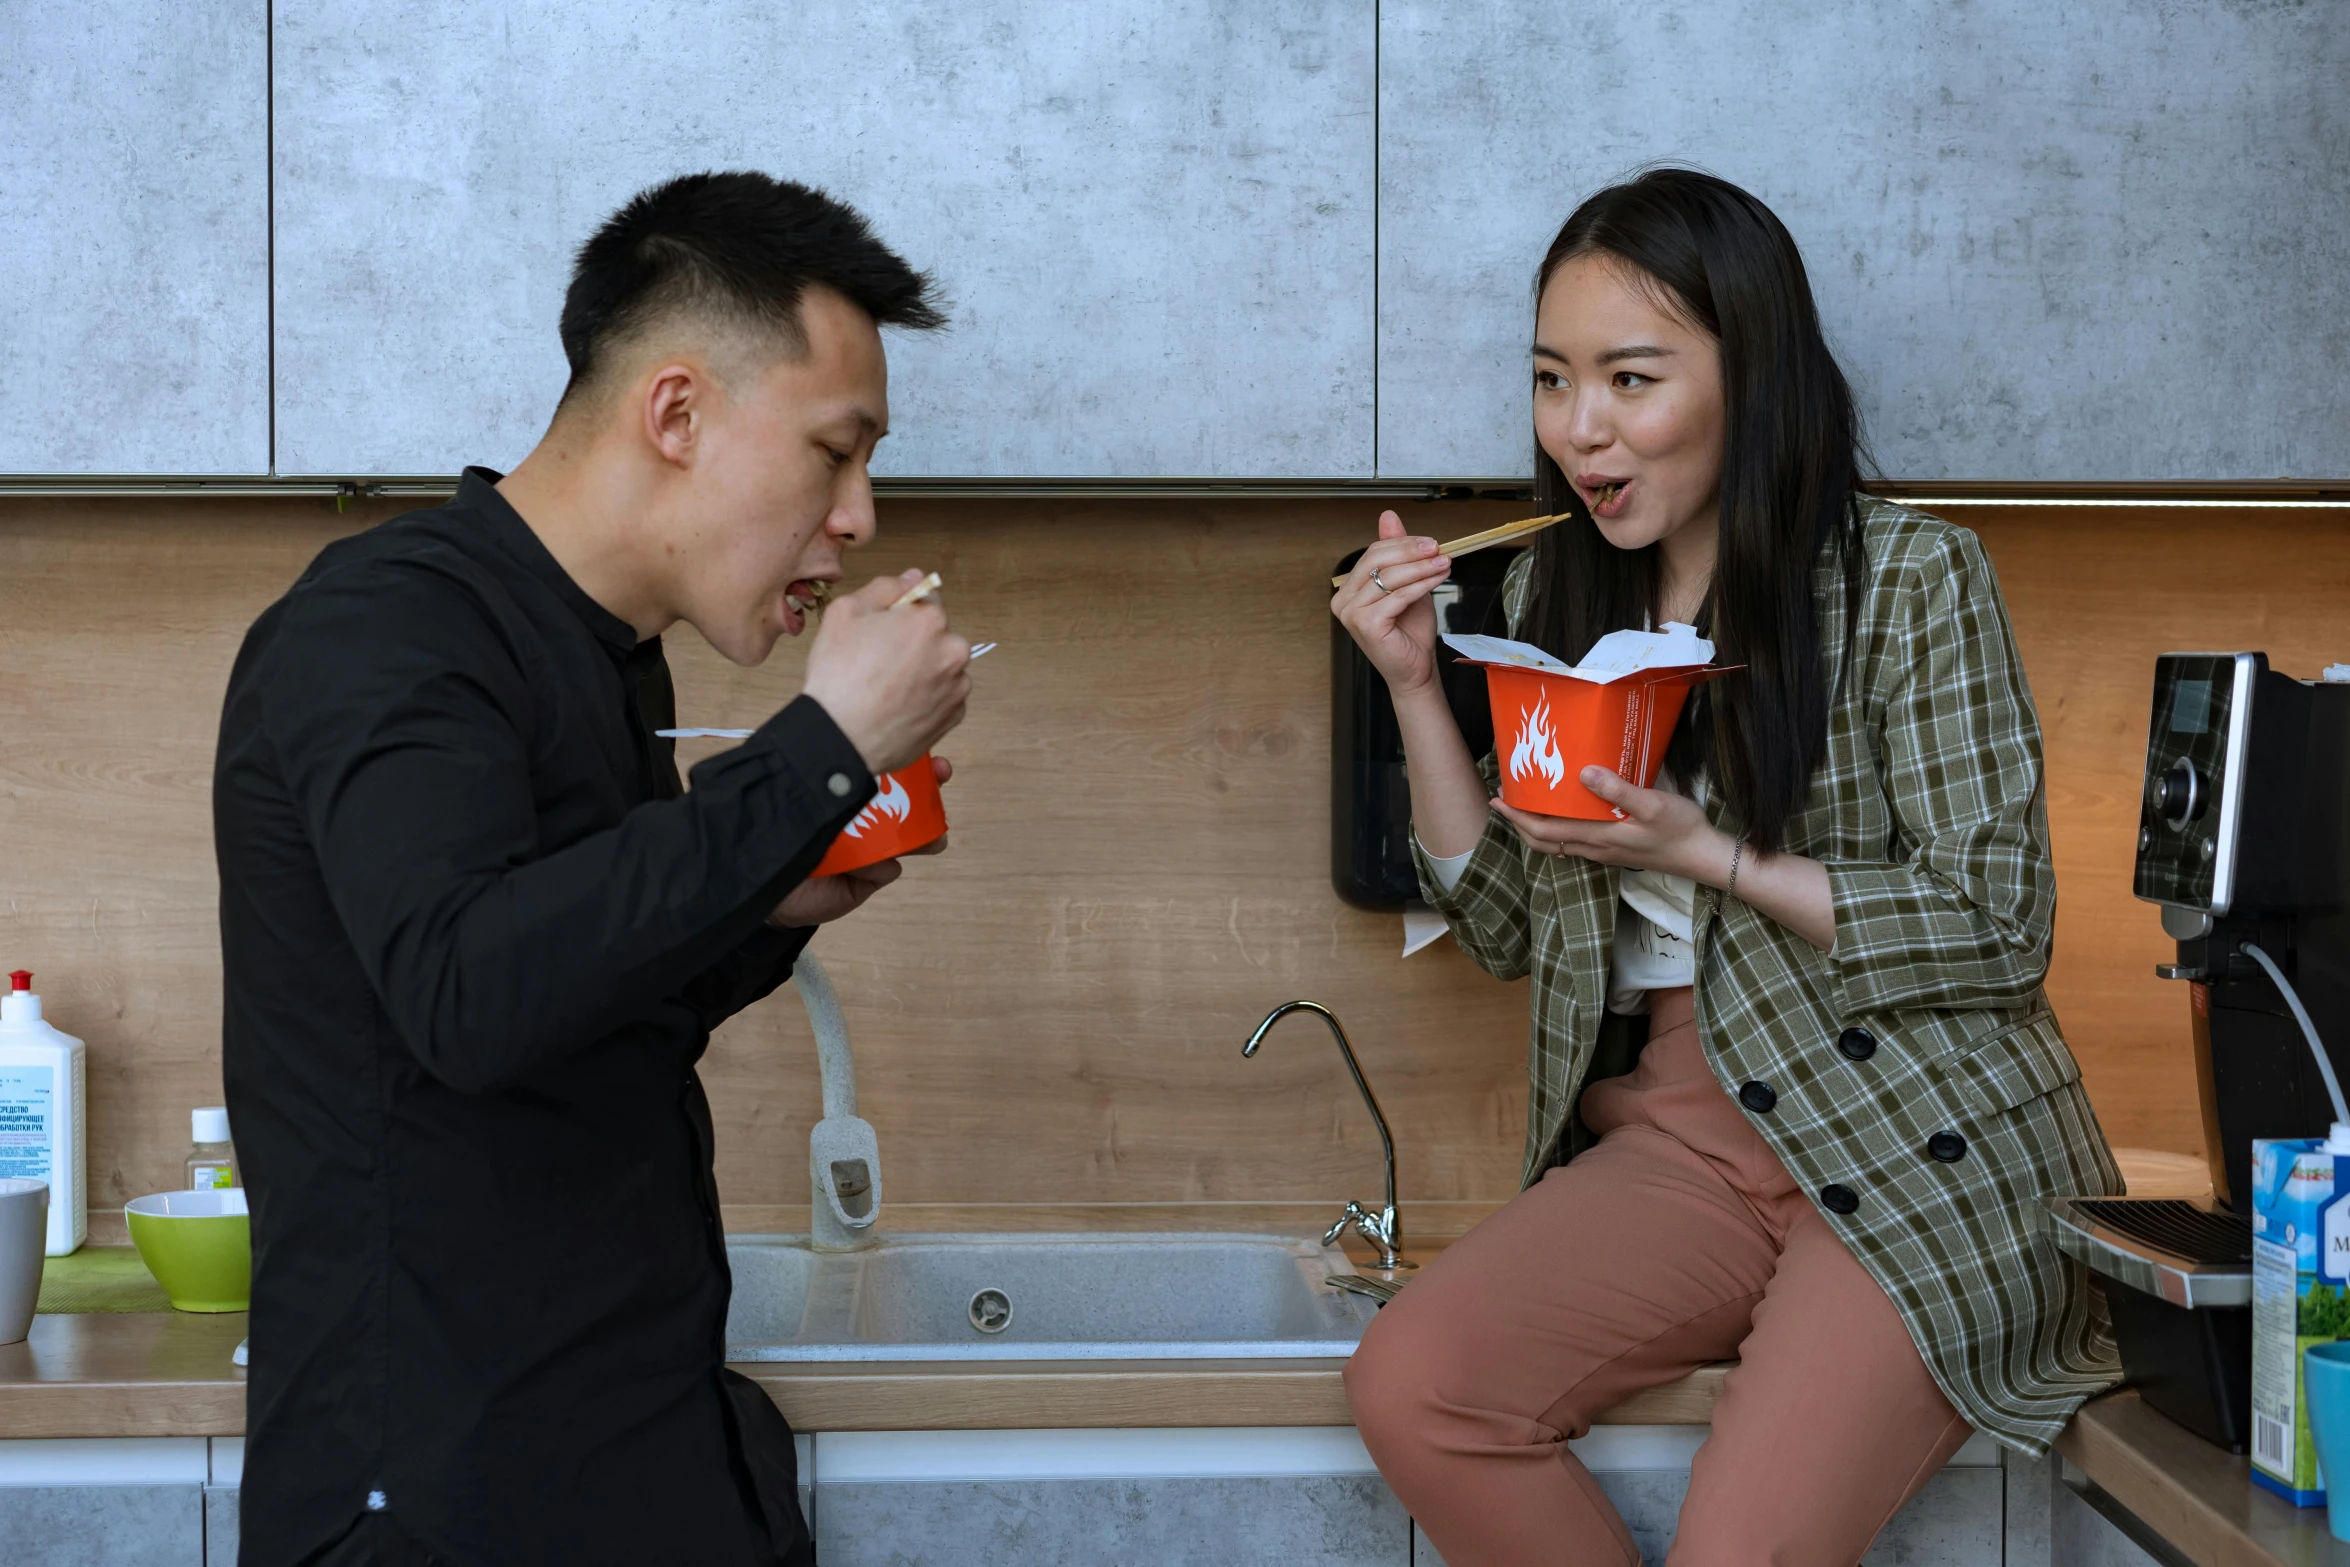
x=1654 y=829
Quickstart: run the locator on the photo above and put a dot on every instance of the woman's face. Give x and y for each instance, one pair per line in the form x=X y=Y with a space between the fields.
x=1628 y=403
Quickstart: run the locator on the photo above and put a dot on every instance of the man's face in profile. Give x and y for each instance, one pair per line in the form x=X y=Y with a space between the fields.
x=780 y=487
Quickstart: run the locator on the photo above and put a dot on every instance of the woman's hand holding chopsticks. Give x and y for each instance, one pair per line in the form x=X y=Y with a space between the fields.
x=1385 y=605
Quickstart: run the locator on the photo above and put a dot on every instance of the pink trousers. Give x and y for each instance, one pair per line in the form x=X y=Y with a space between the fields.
x=1677 y=1241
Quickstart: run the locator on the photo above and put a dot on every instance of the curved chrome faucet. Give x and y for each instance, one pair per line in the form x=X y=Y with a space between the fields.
x=1384 y=1230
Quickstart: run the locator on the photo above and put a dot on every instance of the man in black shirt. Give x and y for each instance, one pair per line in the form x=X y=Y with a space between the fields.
x=476 y=936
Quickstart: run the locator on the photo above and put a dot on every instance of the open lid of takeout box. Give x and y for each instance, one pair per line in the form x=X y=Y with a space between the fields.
x=1674 y=653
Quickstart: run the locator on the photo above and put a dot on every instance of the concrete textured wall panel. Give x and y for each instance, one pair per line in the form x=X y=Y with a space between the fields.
x=1152 y=218
x=2050 y=242
x=134 y=237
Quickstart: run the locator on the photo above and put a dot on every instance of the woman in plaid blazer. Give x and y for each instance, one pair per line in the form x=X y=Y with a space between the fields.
x=1796 y=1093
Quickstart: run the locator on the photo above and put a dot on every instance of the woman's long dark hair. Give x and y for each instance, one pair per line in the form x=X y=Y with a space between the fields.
x=1791 y=463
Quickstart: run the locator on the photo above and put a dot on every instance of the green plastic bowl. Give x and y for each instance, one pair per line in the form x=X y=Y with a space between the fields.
x=199 y=1246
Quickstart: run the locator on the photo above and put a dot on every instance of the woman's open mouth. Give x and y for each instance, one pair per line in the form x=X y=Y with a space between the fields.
x=1604 y=496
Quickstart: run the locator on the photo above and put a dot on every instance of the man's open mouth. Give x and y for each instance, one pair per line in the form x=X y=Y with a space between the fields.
x=801 y=600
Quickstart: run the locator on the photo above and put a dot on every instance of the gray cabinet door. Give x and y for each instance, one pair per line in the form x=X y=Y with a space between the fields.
x=134 y=237
x=1152 y=218
x=2050 y=242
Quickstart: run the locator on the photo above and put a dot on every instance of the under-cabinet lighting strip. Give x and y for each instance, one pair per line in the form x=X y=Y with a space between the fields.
x=433 y=486
x=2218 y=503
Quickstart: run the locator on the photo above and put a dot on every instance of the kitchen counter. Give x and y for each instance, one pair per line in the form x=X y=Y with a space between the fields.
x=124 y=1374
x=170 y=1375
x=2200 y=1500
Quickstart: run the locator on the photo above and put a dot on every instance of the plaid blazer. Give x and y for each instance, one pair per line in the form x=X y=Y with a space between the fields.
x=1927 y=1018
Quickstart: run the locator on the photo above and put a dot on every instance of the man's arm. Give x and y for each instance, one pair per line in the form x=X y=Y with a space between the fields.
x=758 y=965
x=401 y=730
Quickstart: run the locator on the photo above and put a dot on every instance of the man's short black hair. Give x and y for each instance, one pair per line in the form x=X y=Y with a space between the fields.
x=741 y=245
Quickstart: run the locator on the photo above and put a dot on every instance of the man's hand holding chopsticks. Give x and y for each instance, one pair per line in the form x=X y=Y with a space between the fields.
x=894 y=679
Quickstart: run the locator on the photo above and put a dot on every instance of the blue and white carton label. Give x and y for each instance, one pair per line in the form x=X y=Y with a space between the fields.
x=2300 y=1297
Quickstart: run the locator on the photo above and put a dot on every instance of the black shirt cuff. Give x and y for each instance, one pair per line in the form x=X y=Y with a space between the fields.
x=807 y=744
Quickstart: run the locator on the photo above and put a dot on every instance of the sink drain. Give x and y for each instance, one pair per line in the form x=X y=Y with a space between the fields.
x=991 y=1311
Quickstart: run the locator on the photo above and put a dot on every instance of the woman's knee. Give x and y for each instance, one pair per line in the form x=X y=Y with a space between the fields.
x=1415 y=1373
x=1383 y=1387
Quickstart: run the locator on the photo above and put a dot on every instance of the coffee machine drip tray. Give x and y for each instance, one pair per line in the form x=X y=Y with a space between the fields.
x=2174 y=1250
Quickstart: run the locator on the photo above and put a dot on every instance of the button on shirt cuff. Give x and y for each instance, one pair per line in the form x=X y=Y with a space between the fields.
x=795 y=782
x=812 y=749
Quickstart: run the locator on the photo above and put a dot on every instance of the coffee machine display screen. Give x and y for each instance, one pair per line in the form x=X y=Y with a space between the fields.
x=2190 y=707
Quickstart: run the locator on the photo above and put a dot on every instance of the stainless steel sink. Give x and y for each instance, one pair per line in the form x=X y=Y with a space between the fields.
x=1040 y=1297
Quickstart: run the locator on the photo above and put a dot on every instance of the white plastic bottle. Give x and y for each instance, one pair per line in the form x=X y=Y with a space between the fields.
x=44 y=1114
x=212 y=1163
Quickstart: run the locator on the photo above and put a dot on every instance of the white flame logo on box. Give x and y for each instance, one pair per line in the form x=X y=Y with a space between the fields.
x=892 y=802
x=1537 y=748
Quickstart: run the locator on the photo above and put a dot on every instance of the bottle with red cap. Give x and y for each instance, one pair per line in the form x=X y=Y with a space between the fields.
x=44 y=1118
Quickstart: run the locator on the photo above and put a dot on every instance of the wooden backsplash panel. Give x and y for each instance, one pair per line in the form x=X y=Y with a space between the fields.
x=2095 y=596
x=118 y=623
x=1052 y=1012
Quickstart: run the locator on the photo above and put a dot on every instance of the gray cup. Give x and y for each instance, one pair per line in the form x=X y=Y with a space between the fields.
x=24 y=1241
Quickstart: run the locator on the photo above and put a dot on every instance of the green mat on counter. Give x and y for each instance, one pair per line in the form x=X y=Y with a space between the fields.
x=100 y=1278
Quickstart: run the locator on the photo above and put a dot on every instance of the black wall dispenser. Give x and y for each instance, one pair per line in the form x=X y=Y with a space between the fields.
x=1370 y=803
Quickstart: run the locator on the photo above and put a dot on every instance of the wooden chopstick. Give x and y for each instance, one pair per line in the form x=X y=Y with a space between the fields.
x=923 y=589
x=1486 y=540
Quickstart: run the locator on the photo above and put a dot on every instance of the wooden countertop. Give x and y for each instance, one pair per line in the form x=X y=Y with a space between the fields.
x=2200 y=1499
x=171 y=1376
x=127 y=1374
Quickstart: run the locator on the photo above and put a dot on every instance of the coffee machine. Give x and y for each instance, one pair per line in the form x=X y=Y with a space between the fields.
x=2244 y=842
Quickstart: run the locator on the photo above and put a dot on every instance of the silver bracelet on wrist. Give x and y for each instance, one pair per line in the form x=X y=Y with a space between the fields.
x=1737 y=853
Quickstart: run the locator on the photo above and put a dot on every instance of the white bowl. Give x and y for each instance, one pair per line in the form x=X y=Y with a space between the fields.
x=216 y=1204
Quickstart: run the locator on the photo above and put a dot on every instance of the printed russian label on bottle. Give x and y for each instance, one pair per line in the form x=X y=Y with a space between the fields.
x=28 y=1101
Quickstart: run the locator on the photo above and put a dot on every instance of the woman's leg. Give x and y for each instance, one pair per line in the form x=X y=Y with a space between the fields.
x=1631 y=1266
x=1828 y=1425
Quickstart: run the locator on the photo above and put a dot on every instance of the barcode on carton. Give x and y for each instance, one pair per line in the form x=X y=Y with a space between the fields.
x=2272 y=1443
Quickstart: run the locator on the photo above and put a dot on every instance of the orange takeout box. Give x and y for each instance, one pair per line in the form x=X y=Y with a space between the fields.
x=1550 y=720
x=905 y=813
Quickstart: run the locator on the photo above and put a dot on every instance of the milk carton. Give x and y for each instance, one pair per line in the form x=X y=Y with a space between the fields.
x=2300 y=1297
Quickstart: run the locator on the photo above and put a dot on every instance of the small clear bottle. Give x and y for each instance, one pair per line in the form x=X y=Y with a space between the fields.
x=212 y=1164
